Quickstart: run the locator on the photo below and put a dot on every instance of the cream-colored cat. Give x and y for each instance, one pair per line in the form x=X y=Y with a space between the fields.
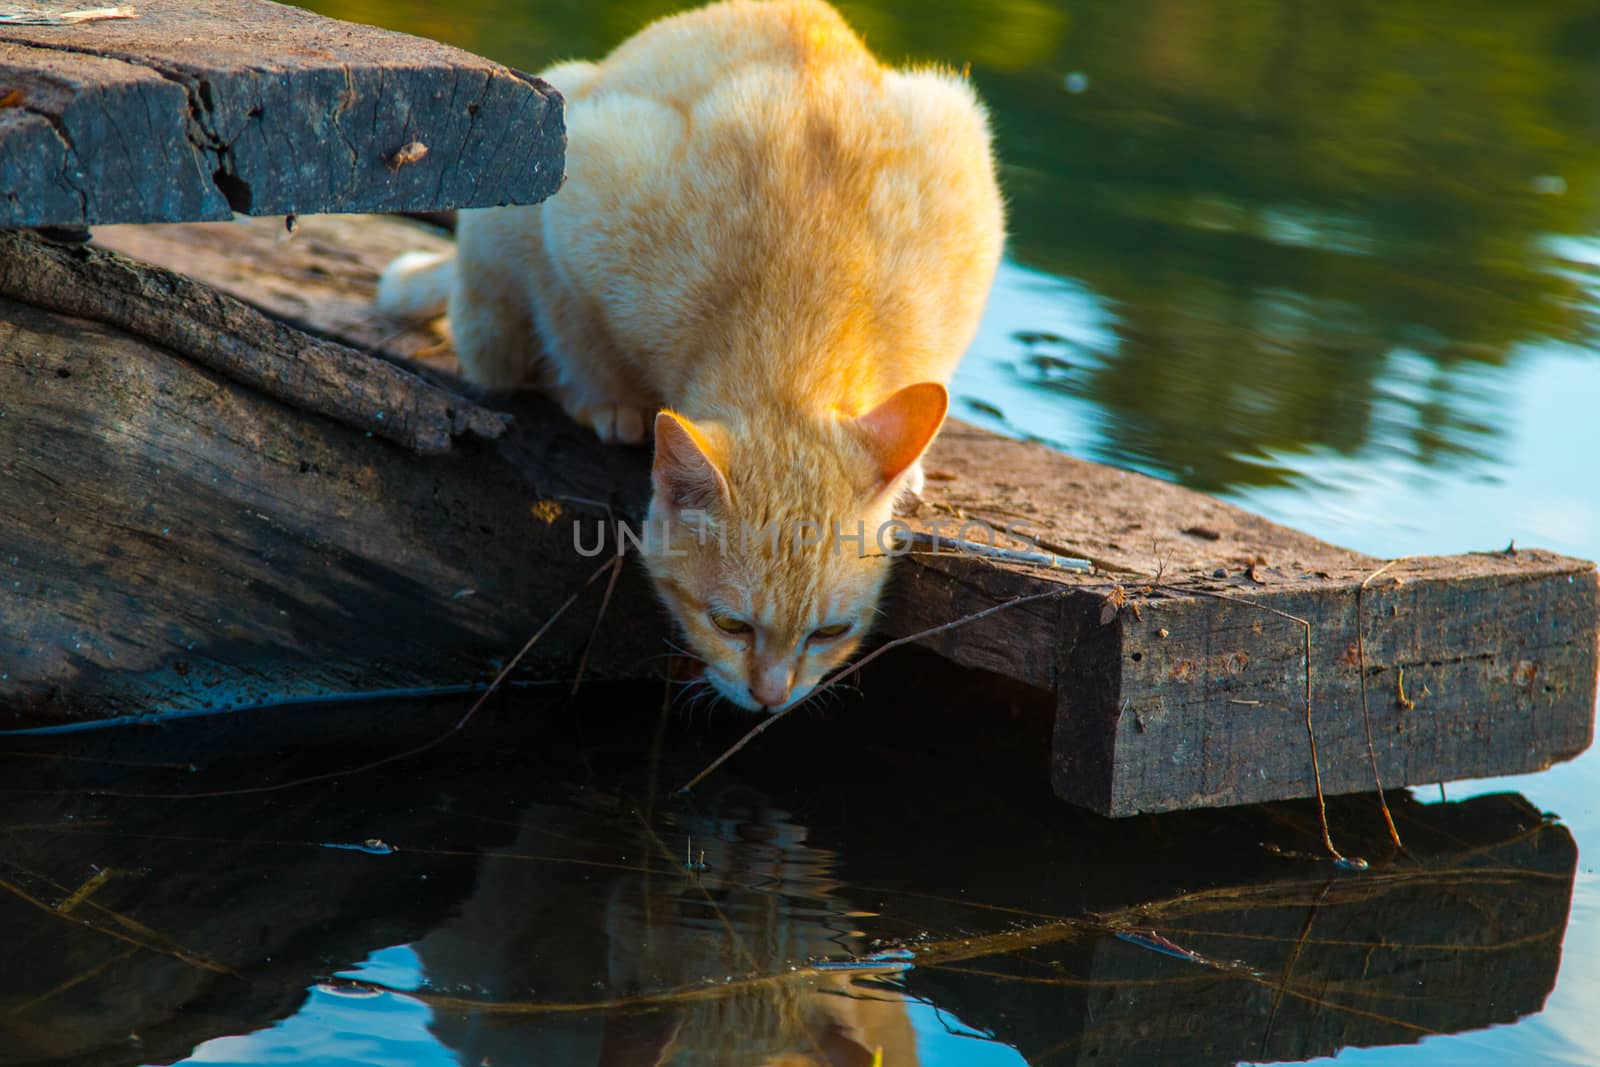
x=786 y=246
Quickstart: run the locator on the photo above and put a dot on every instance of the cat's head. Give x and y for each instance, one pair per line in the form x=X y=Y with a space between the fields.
x=769 y=538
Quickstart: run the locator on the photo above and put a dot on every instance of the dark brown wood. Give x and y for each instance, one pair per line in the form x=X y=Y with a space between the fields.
x=1194 y=691
x=175 y=540
x=226 y=335
x=345 y=564
x=196 y=109
x=318 y=279
x=1474 y=667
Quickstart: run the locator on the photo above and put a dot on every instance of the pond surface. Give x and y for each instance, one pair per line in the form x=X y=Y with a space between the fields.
x=1337 y=263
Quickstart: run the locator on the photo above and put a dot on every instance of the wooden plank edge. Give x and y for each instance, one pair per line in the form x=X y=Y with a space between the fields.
x=351 y=102
x=1143 y=727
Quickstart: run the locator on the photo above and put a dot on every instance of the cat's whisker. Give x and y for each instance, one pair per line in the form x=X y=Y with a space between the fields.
x=690 y=691
x=645 y=661
x=761 y=728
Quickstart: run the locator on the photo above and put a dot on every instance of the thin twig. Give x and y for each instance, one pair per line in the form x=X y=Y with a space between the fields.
x=174 y=951
x=960 y=547
x=1311 y=735
x=1288 y=969
x=594 y=632
x=94 y=972
x=1366 y=715
x=856 y=666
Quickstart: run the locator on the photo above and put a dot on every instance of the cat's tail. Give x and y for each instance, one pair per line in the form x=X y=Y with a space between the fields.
x=417 y=284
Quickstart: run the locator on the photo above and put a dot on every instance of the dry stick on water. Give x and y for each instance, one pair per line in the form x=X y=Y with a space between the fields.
x=1311 y=737
x=605 y=602
x=615 y=562
x=605 y=599
x=1366 y=715
x=862 y=662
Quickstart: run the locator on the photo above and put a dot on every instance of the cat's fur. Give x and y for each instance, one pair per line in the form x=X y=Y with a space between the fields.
x=785 y=245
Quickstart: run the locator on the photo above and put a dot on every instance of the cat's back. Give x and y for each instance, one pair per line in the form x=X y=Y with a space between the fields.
x=683 y=59
x=752 y=163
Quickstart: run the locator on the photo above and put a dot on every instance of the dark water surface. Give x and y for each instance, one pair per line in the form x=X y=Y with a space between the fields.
x=1339 y=263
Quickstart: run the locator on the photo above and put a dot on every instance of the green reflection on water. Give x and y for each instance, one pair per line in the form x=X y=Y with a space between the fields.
x=1274 y=200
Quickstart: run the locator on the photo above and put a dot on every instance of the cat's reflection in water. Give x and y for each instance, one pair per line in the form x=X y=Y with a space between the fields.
x=681 y=959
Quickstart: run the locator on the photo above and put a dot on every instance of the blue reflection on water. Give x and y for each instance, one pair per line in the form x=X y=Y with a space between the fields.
x=334 y=1029
x=383 y=1028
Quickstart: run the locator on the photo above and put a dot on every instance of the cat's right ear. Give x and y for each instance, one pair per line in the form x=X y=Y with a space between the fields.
x=685 y=474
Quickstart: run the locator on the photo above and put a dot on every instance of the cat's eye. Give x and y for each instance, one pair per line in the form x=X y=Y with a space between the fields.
x=728 y=624
x=831 y=631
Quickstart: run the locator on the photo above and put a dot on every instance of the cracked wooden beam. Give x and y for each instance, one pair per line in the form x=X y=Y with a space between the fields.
x=197 y=109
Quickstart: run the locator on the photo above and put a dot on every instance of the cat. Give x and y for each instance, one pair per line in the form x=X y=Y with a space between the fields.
x=770 y=252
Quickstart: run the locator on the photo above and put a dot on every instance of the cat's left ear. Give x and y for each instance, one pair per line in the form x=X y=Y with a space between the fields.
x=685 y=475
x=900 y=429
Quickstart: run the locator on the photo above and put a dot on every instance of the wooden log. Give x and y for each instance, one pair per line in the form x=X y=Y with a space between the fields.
x=176 y=541
x=196 y=109
x=223 y=334
x=1175 y=687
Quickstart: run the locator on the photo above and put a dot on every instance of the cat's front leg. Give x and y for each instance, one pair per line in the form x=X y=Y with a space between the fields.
x=594 y=394
x=586 y=373
x=623 y=424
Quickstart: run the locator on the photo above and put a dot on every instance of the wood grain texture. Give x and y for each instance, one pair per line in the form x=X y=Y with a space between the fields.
x=178 y=541
x=196 y=109
x=1475 y=665
x=226 y=335
x=1175 y=687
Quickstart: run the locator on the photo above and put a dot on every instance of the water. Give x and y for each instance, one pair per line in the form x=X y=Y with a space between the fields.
x=529 y=892
x=1337 y=263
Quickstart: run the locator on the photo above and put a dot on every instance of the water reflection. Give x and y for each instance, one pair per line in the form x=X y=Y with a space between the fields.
x=1278 y=201
x=541 y=899
x=731 y=947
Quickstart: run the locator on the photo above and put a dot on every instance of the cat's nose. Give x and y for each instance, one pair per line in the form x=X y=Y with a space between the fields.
x=771 y=687
x=769 y=696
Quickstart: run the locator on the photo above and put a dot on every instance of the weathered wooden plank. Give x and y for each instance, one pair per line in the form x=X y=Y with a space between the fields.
x=1195 y=693
x=318 y=278
x=174 y=540
x=226 y=335
x=195 y=109
x=1474 y=666
x=1498 y=650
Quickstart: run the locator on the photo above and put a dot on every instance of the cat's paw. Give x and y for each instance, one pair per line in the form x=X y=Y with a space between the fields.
x=616 y=424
